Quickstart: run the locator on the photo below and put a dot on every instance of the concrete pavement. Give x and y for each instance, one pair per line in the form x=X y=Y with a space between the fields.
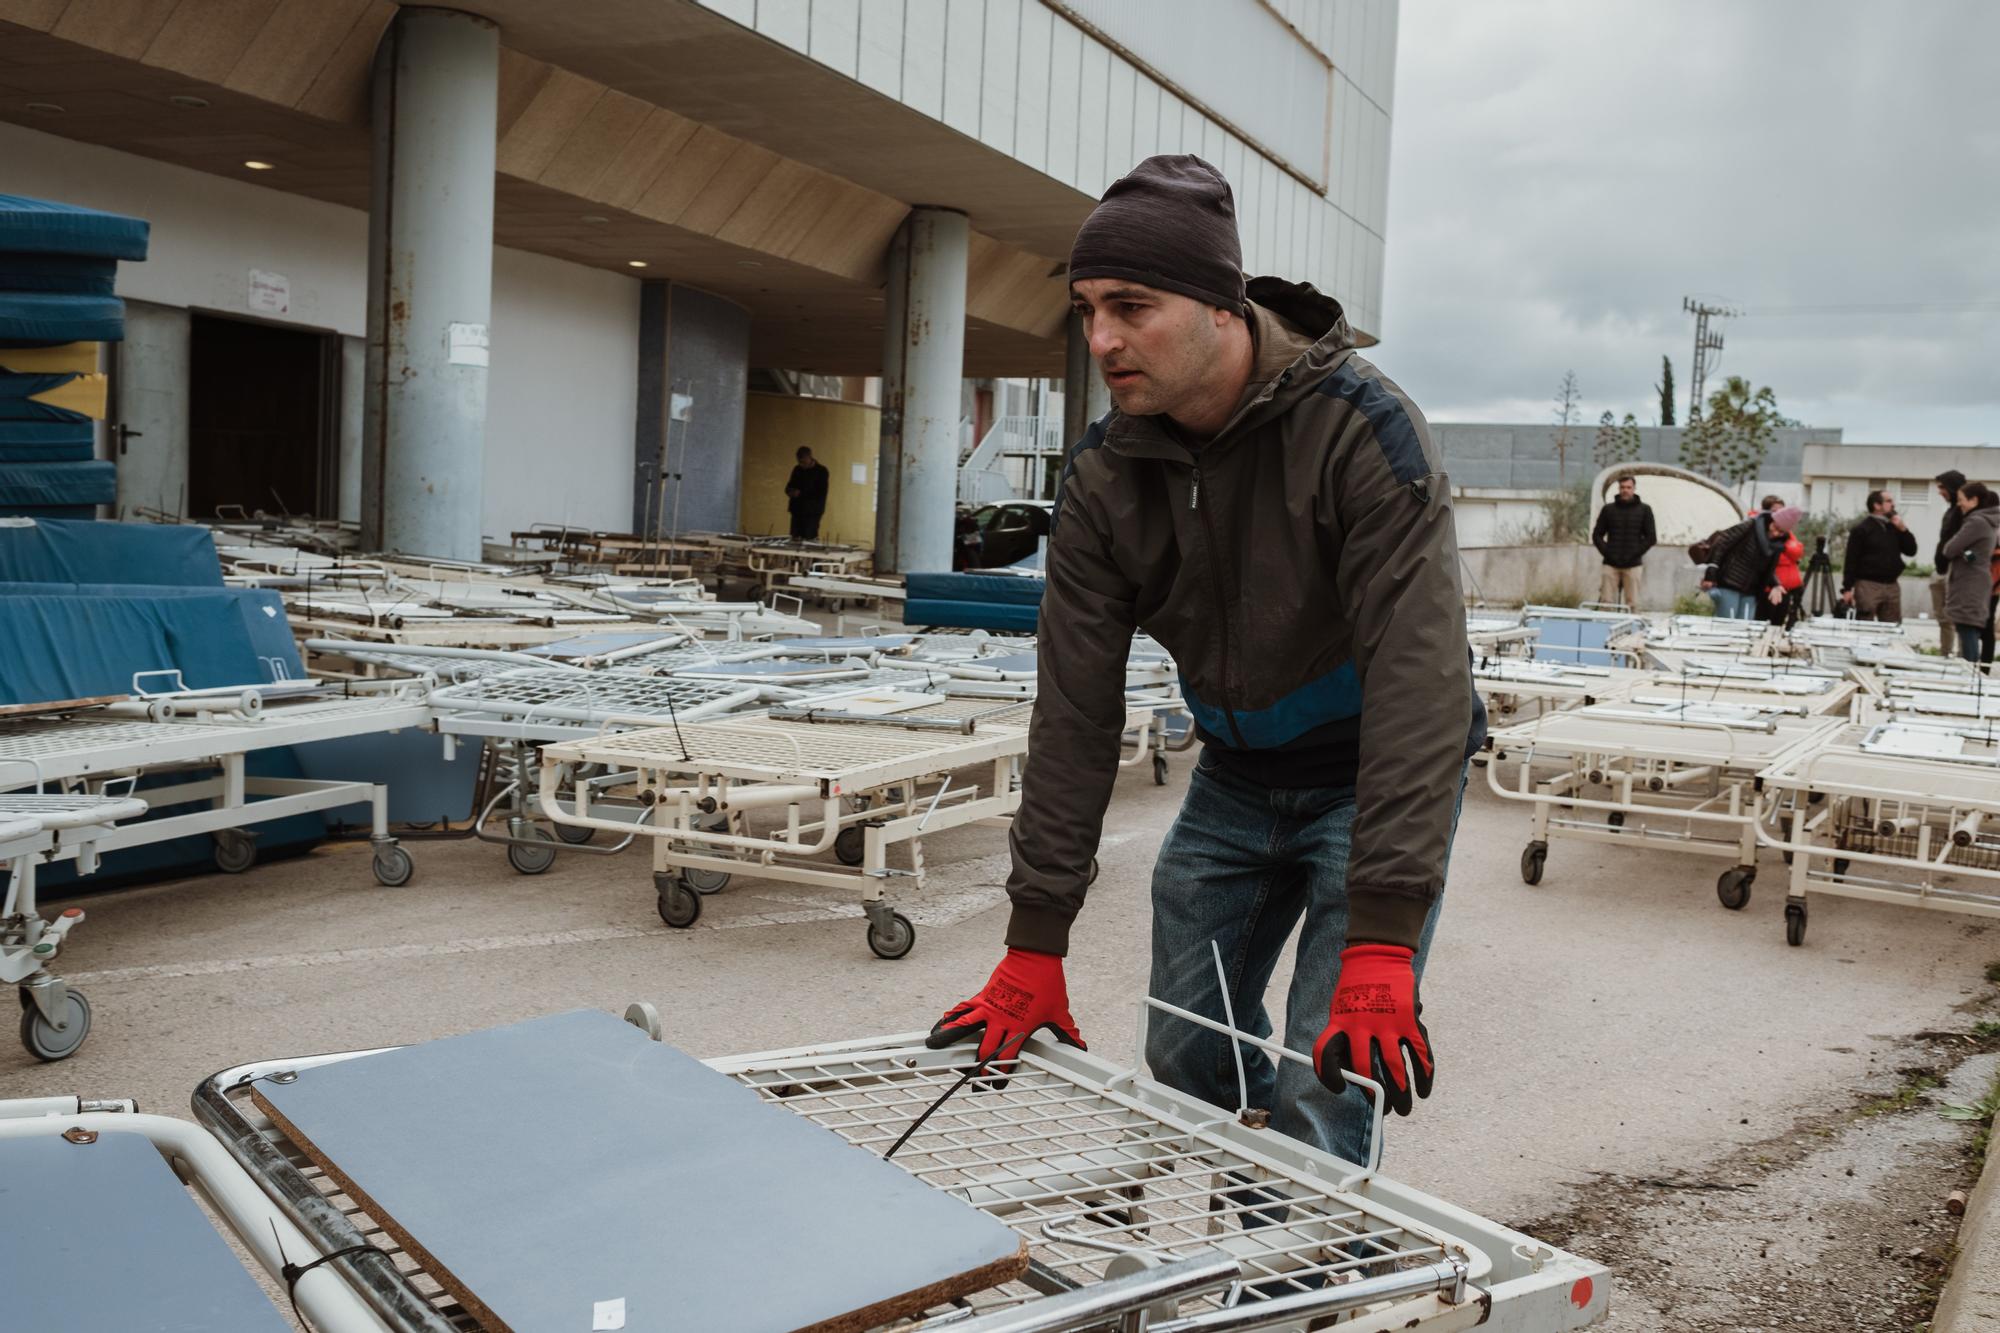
x=1614 y=1020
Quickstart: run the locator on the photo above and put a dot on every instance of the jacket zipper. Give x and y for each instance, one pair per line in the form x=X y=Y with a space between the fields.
x=1221 y=606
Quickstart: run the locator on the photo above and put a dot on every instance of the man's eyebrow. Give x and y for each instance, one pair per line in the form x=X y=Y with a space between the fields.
x=1114 y=294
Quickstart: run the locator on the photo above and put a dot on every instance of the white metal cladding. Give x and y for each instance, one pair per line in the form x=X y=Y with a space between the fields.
x=1023 y=79
x=1239 y=58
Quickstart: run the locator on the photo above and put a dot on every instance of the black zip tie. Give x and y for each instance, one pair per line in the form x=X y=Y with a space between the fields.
x=292 y=1272
x=963 y=1079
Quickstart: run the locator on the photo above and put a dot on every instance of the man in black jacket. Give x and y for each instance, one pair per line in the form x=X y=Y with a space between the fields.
x=1948 y=483
x=1623 y=534
x=1876 y=549
x=807 y=489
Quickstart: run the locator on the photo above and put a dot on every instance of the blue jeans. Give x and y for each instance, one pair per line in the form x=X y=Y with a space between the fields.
x=1240 y=866
x=1733 y=605
x=1970 y=641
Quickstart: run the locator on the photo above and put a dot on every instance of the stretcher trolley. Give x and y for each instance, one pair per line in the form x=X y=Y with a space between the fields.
x=37 y=827
x=776 y=797
x=1667 y=775
x=92 y=749
x=1124 y=1204
x=513 y=711
x=1520 y=688
x=1903 y=810
x=1762 y=684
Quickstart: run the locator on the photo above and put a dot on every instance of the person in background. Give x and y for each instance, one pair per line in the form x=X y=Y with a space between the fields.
x=1622 y=535
x=1744 y=562
x=1876 y=549
x=1948 y=483
x=1967 y=560
x=807 y=489
x=1787 y=575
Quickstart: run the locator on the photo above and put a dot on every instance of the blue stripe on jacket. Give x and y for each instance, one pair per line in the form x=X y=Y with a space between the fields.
x=1333 y=697
x=1394 y=431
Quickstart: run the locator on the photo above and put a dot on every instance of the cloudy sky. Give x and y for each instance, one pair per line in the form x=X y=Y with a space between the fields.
x=1563 y=172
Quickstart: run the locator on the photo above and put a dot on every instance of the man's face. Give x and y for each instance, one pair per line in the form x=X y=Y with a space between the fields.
x=805 y=458
x=1155 y=349
x=1886 y=506
x=1945 y=494
x=1627 y=489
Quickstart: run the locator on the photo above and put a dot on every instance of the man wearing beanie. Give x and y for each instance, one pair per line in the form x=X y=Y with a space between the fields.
x=1271 y=509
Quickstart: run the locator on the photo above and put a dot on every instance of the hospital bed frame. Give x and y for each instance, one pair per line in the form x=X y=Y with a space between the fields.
x=1859 y=816
x=1678 y=780
x=1142 y=1208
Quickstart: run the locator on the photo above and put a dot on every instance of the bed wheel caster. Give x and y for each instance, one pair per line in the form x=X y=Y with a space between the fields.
x=850 y=845
x=1159 y=770
x=1733 y=888
x=1840 y=866
x=1533 y=858
x=679 y=904
x=44 y=1040
x=575 y=835
x=393 y=866
x=1092 y=877
x=527 y=859
x=235 y=851
x=1795 y=924
x=1616 y=819
x=890 y=934
x=706 y=882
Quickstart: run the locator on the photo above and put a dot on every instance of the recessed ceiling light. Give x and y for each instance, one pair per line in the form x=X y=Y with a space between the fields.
x=636 y=263
x=188 y=100
x=45 y=108
x=255 y=165
x=595 y=217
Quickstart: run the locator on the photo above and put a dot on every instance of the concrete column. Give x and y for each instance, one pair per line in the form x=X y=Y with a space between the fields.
x=430 y=283
x=889 y=461
x=933 y=362
x=1086 y=397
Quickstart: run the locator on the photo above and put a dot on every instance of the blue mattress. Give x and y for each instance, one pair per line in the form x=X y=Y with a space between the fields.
x=45 y=485
x=973 y=601
x=150 y=554
x=47 y=441
x=44 y=227
x=79 y=275
x=49 y=319
x=17 y=401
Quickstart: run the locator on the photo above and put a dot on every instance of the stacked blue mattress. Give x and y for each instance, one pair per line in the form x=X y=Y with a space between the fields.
x=58 y=268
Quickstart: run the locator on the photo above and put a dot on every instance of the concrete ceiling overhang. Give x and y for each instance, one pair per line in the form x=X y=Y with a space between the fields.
x=587 y=172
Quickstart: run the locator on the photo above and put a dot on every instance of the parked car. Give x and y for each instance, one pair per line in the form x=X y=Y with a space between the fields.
x=995 y=535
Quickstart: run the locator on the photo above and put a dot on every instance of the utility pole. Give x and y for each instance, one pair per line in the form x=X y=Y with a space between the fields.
x=1704 y=343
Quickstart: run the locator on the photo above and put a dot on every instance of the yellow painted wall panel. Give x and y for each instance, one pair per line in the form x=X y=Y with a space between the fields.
x=85 y=394
x=69 y=359
x=842 y=436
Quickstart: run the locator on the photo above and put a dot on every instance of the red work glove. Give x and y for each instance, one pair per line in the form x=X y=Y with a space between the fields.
x=1374 y=1023
x=1025 y=994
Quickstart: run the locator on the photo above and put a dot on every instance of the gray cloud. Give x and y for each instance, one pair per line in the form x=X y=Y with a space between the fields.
x=1564 y=171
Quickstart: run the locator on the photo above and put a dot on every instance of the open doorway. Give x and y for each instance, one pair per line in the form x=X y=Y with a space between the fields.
x=263 y=404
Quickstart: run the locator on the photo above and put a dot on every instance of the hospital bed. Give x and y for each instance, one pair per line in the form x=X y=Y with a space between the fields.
x=776 y=798
x=37 y=828
x=1890 y=809
x=1773 y=685
x=1523 y=687
x=92 y=749
x=1667 y=775
x=1137 y=1207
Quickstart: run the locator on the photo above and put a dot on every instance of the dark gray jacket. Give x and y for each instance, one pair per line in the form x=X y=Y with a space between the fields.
x=1968 y=567
x=1299 y=563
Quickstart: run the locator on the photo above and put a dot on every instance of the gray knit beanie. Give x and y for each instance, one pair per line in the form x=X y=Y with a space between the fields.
x=1170 y=223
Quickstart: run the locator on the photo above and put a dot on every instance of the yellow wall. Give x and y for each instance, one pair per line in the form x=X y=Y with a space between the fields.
x=842 y=436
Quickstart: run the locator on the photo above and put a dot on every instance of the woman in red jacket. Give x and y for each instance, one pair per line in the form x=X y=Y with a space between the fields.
x=1786 y=575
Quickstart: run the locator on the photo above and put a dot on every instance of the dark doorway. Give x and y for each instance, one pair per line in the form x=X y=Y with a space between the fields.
x=262 y=418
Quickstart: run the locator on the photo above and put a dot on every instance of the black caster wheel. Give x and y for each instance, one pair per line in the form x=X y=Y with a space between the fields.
x=849 y=846
x=1092 y=879
x=528 y=859
x=574 y=835
x=894 y=940
x=1733 y=888
x=1795 y=924
x=1533 y=858
x=707 y=881
x=393 y=867
x=1159 y=770
x=44 y=1040
x=1616 y=819
x=680 y=906
x=1840 y=865
x=1788 y=858
x=234 y=853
